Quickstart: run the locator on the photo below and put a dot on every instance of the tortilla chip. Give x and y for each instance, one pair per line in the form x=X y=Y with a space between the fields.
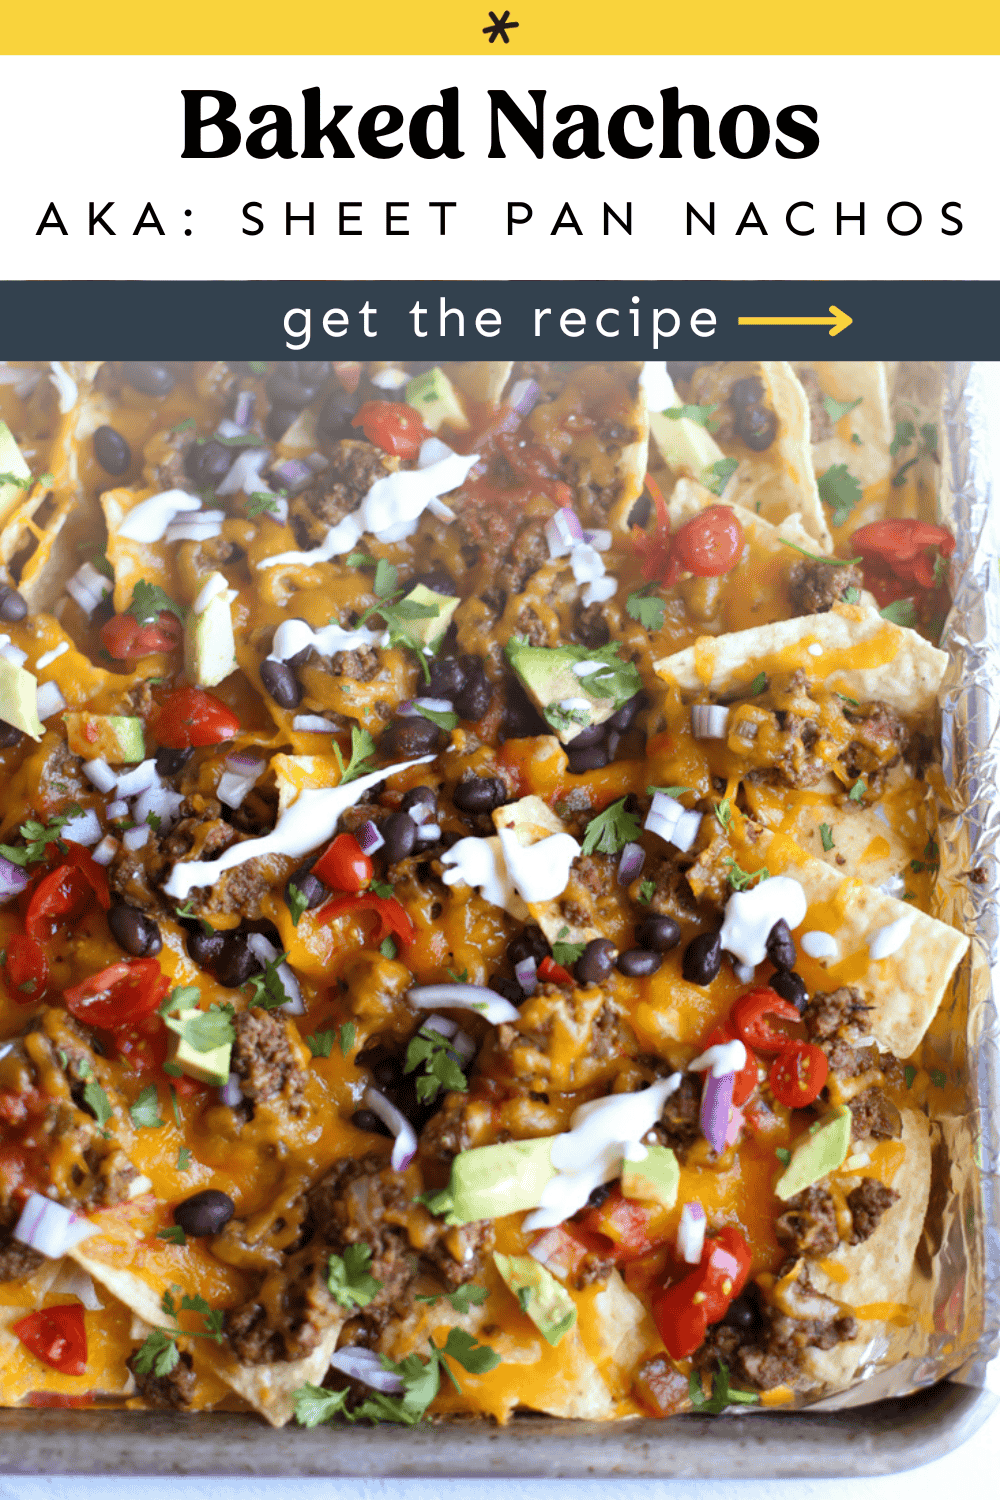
x=780 y=480
x=903 y=990
x=129 y=1288
x=863 y=656
x=689 y=498
x=481 y=380
x=881 y=1269
x=270 y=1389
x=845 y=381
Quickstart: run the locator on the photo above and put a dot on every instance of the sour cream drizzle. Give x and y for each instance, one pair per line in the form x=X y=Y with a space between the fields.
x=594 y=1147
x=390 y=510
x=480 y=864
x=148 y=521
x=888 y=940
x=309 y=822
x=540 y=871
x=293 y=636
x=750 y=915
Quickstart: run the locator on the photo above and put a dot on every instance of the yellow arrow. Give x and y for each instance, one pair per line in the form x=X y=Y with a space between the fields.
x=840 y=321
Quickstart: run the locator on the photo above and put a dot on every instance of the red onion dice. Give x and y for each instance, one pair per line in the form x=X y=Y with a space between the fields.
x=230 y=1093
x=668 y=819
x=524 y=396
x=691 y=1233
x=563 y=532
x=243 y=409
x=716 y=1102
x=405 y=1147
x=49 y=1228
x=492 y=1007
x=365 y=1365
x=12 y=879
x=526 y=974
x=633 y=857
x=369 y=837
x=292 y=473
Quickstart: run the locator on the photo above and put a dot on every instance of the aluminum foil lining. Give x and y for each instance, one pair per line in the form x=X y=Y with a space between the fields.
x=955 y=1290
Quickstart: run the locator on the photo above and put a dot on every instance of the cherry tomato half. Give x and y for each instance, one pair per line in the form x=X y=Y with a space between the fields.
x=95 y=875
x=190 y=716
x=553 y=973
x=683 y=1311
x=711 y=543
x=910 y=548
x=126 y=640
x=57 y=1336
x=143 y=1046
x=746 y=1079
x=25 y=969
x=392 y=426
x=654 y=548
x=625 y=1223
x=748 y=1017
x=121 y=995
x=344 y=866
x=798 y=1076
x=62 y=894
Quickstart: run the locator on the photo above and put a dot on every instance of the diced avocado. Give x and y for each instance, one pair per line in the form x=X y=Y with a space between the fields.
x=565 y=696
x=508 y=1178
x=11 y=462
x=654 y=1179
x=817 y=1153
x=686 y=446
x=208 y=1067
x=111 y=737
x=209 y=643
x=549 y=1306
x=436 y=399
x=429 y=629
x=19 y=699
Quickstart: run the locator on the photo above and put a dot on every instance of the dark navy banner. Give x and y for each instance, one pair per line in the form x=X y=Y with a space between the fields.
x=579 y=320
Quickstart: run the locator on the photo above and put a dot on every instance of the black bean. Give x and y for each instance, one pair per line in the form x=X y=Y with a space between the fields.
x=170 y=762
x=683 y=369
x=280 y=681
x=600 y=1195
x=437 y=580
x=9 y=736
x=134 y=931
x=418 y=796
x=637 y=963
x=13 y=606
x=236 y=964
x=206 y=1213
x=757 y=426
x=310 y=888
x=409 y=736
x=702 y=958
x=594 y=734
x=278 y=421
x=479 y=794
x=658 y=933
x=207 y=464
x=448 y=677
x=334 y=423
x=790 y=986
x=508 y=988
x=530 y=942
x=622 y=720
x=521 y=717
x=400 y=834
x=285 y=389
x=366 y=1119
x=148 y=379
x=384 y=1066
x=780 y=947
x=474 y=699
x=206 y=947
x=744 y=1312
x=595 y=962
x=111 y=451
x=592 y=758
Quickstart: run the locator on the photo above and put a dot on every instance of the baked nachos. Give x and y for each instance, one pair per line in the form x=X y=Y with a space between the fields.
x=467 y=853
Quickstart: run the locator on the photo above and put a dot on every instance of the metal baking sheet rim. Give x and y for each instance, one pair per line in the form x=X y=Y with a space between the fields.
x=870 y=1437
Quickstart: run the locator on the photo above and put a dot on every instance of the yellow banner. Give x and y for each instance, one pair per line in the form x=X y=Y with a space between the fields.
x=527 y=27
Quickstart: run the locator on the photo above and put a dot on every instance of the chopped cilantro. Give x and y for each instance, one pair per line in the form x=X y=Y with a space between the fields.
x=902 y=438
x=183 y=1159
x=566 y=953
x=349 y=1277
x=723 y=813
x=188 y=911
x=646 y=891
x=938 y=1078
x=97 y=1101
x=837 y=409
x=206 y=1029
x=313 y=1404
x=669 y=791
x=181 y=997
x=381 y=888
x=611 y=830
x=185 y=426
x=742 y=880
x=831 y=562
x=857 y=792
x=856 y=440
x=899 y=478
x=900 y=612
x=700 y=415
x=443 y=720
x=462 y=1298
x=158 y=1354
x=718 y=476
x=268 y=991
x=320 y=1043
x=386 y=578
x=260 y=502
x=462 y=978
x=648 y=609
x=149 y=600
x=145 y=1112
x=440 y=1065
x=826 y=834
x=38 y=836
x=909 y=1073
x=387 y=948
x=362 y=748
x=941 y=568
x=783 y=1154
x=851 y=595
x=173 y=1101
x=723 y=1394
x=297 y=903
x=840 y=490
x=758 y=685
x=852 y=701
x=154 y=821
x=473 y=1356
x=174 y=1235
x=346 y=1037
